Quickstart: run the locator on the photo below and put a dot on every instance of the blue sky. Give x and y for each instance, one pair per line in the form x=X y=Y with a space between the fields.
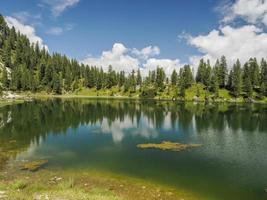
x=182 y=30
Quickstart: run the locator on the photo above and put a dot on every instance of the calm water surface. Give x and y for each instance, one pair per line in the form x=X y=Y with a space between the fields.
x=86 y=134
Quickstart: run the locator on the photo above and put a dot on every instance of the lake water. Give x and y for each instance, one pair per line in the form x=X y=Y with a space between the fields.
x=90 y=134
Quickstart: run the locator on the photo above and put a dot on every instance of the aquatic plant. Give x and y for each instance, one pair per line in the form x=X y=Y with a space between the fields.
x=33 y=165
x=168 y=146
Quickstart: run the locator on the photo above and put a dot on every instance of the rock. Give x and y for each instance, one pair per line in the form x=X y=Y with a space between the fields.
x=169 y=193
x=55 y=179
x=143 y=187
x=3 y=194
x=41 y=197
x=195 y=98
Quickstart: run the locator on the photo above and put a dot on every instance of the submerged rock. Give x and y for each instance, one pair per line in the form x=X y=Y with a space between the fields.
x=168 y=146
x=33 y=165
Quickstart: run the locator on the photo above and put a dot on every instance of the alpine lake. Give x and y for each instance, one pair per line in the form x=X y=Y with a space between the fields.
x=101 y=136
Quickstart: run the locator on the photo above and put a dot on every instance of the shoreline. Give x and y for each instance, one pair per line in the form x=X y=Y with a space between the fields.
x=31 y=96
x=105 y=185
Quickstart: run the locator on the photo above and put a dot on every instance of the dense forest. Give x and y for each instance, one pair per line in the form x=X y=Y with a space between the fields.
x=28 y=67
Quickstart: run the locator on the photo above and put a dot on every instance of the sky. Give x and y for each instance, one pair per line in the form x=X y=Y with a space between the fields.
x=143 y=34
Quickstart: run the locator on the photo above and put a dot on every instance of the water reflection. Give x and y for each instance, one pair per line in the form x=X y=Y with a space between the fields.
x=25 y=124
x=30 y=121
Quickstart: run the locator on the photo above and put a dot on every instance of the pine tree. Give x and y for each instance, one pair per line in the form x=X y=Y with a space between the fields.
x=222 y=72
x=201 y=72
x=254 y=72
x=207 y=79
x=236 y=79
x=160 y=77
x=4 y=80
x=7 y=53
x=247 y=87
x=132 y=81
x=139 y=78
x=214 y=83
x=263 y=77
x=174 y=78
x=56 y=83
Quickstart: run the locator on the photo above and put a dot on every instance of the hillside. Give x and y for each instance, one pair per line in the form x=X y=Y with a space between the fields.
x=27 y=67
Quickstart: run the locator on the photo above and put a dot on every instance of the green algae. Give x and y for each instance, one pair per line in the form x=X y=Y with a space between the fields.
x=33 y=165
x=168 y=146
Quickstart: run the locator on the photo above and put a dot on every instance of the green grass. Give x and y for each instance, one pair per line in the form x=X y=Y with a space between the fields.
x=168 y=93
x=18 y=185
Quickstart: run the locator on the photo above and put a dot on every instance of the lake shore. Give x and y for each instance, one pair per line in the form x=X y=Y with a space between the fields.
x=30 y=96
x=60 y=184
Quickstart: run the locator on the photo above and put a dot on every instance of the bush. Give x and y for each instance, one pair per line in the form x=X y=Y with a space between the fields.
x=148 y=92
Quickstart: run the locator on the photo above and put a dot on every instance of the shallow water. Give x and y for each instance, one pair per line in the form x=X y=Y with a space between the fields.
x=90 y=134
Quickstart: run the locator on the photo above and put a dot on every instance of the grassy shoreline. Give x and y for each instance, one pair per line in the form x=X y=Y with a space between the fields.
x=96 y=185
x=196 y=93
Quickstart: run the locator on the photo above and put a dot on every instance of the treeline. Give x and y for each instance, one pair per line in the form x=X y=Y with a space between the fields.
x=27 y=67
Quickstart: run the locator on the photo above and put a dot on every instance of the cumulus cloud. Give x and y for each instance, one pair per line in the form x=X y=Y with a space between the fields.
x=252 y=11
x=147 y=52
x=27 y=30
x=59 y=6
x=126 y=59
x=233 y=42
x=117 y=57
x=167 y=64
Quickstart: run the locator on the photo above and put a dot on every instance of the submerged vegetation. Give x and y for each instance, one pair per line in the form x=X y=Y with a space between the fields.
x=168 y=146
x=27 y=67
x=33 y=165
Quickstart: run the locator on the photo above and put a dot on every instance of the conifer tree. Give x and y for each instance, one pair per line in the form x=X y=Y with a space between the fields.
x=236 y=79
x=174 y=78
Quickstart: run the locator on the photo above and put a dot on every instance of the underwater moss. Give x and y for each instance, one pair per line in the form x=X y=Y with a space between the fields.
x=168 y=146
x=33 y=165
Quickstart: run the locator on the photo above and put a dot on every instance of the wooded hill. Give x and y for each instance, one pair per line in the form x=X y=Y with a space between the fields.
x=27 y=67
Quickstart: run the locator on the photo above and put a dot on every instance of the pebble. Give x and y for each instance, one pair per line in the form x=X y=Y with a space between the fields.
x=3 y=194
x=41 y=196
x=169 y=193
x=55 y=179
x=143 y=187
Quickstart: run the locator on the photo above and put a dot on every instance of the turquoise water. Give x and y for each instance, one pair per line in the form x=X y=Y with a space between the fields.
x=91 y=134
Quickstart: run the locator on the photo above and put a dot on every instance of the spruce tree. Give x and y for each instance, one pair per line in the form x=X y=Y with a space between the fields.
x=138 y=78
x=236 y=79
x=174 y=78
x=4 y=80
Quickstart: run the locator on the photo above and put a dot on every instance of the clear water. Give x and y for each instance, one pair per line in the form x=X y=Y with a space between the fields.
x=91 y=134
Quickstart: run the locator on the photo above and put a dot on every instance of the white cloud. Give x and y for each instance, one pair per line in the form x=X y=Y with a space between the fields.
x=59 y=6
x=55 y=31
x=117 y=57
x=252 y=11
x=147 y=52
x=27 y=30
x=241 y=42
x=167 y=64
x=125 y=59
